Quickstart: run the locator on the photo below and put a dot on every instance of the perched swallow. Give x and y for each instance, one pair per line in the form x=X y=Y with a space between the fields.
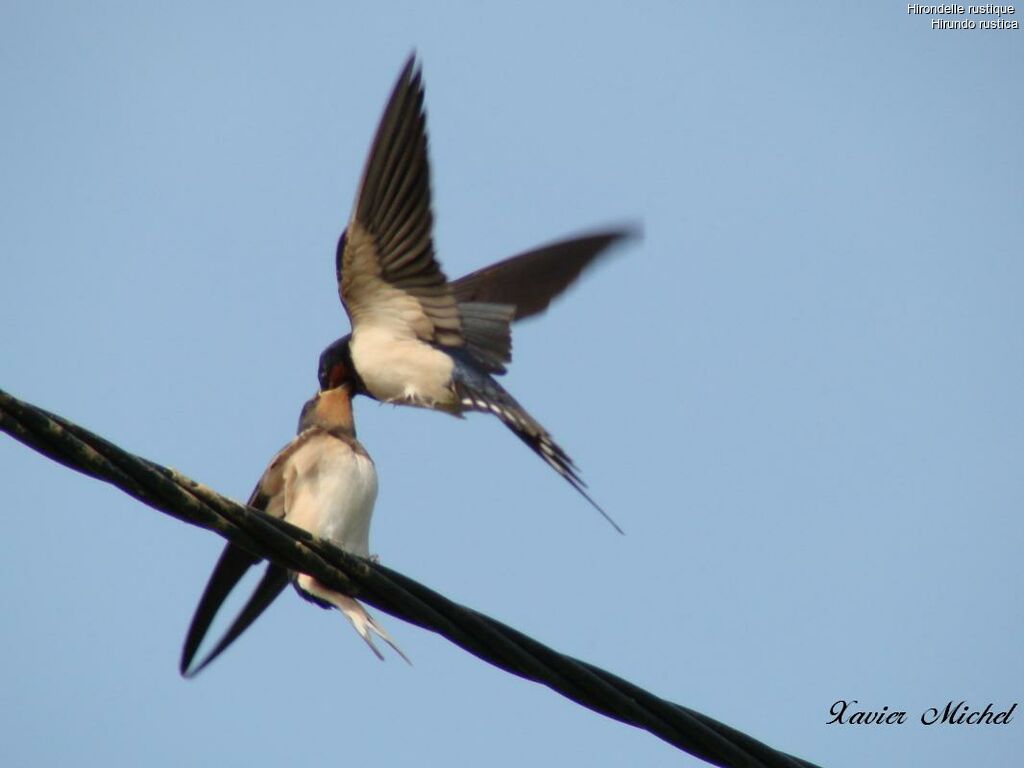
x=416 y=338
x=324 y=482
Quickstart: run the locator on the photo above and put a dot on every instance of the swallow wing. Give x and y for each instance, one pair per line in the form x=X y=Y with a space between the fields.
x=234 y=562
x=230 y=568
x=387 y=275
x=274 y=580
x=530 y=281
x=519 y=287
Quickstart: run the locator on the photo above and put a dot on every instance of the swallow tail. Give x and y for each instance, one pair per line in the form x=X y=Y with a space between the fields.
x=363 y=623
x=477 y=391
x=485 y=327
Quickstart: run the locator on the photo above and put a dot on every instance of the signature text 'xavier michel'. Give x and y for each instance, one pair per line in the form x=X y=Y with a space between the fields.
x=845 y=712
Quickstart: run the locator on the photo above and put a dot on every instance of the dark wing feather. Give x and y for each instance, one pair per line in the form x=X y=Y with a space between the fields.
x=274 y=580
x=231 y=567
x=385 y=258
x=531 y=280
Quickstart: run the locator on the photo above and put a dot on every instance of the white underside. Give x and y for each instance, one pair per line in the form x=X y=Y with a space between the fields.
x=399 y=369
x=330 y=491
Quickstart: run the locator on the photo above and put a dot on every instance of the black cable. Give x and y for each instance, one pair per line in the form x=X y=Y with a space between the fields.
x=288 y=546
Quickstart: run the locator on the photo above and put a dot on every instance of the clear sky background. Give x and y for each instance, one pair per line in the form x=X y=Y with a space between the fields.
x=801 y=394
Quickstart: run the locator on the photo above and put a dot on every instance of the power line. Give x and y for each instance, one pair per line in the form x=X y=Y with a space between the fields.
x=490 y=640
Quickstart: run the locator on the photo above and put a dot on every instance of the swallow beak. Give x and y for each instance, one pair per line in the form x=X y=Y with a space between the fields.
x=332 y=369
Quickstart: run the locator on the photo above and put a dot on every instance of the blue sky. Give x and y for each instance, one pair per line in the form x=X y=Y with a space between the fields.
x=800 y=394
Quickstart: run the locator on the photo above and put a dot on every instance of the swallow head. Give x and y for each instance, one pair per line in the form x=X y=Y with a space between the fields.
x=329 y=409
x=336 y=366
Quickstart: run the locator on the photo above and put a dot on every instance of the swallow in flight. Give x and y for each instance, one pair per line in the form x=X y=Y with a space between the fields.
x=324 y=482
x=416 y=338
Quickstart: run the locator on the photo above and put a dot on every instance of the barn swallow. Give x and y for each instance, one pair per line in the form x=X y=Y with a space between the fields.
x=324 y=482
x=416 y=338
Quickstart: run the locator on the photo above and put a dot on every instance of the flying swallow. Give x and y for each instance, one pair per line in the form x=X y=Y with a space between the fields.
x=324 y=482
x=416 y=338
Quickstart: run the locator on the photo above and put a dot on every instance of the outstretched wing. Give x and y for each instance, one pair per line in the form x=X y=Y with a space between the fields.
x=521 y=286
x=387 y=275
x=530 y=281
